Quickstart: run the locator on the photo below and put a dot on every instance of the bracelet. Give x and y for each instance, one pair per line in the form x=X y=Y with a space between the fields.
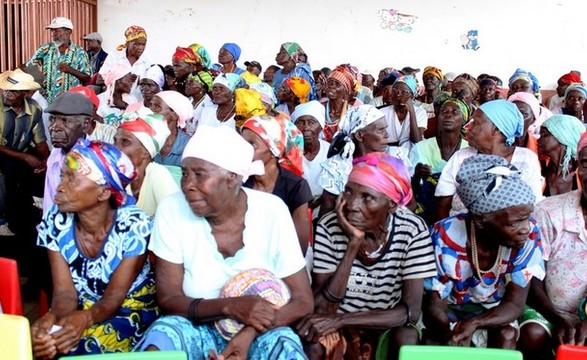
x=193 y=311
x=330 y=297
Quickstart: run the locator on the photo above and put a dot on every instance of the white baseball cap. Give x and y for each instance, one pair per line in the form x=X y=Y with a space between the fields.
x=60 y=22
x=93 y=36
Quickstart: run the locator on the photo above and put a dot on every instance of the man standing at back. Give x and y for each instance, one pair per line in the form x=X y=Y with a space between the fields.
x=96 y=54
x=64 y=64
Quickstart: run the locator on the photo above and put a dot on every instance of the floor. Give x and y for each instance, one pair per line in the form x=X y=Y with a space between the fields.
x=30 y=308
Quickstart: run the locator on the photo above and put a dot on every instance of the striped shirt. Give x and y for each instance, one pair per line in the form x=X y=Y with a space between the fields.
x=408 y=255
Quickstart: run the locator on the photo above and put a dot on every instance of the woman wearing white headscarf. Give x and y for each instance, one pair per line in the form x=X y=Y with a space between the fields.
x=141 y=138
x=212 y=232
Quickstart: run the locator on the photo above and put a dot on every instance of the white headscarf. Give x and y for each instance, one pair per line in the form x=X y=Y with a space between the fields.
x=178 y=103
x=311 y=108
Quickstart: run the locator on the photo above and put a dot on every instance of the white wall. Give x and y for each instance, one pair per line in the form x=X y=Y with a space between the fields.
x=545 y=37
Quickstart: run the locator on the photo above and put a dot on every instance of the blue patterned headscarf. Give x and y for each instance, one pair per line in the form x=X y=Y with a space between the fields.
x=487 y=183
x=526 y=76
x=409 y=80
x=506 y=117
x=230 y=80
x=105 y=165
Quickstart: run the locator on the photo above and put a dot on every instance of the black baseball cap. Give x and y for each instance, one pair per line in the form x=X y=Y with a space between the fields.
x=255 y=64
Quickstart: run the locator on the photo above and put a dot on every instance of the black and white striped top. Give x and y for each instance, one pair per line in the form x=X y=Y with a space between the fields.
x=409 y=255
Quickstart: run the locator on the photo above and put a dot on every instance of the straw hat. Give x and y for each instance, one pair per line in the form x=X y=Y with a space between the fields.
x=17 y=80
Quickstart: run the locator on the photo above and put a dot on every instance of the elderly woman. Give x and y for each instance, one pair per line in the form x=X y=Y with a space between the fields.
x=184 y=62
x=289 y=58
x=339 y=92
x=362 y=131
x=431 y=155
x=559 y=301
x=222 y=113
x=493 y=130
x=529 y=107
x=575 y=96
x=228 y=55
x=309 y=119
x=406 y=121
x=103 y=286
x=433 y=80
x=558 y=141
x=370 y=258
x=119 y=81
x=217 y=228
x=198 y=86
x=151 y=83
x=466 y=88
x=176 y=109
x=140 y=138
x=485 y=259
x=130 y=54
x=292 y=92
x=557 y=101
x=279 y=145
x=523 y=81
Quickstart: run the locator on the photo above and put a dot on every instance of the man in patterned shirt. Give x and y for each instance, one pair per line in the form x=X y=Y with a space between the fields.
x=64 y=64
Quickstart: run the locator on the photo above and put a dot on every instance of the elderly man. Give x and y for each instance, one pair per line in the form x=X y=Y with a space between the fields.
x=23 y=147
x=96 y=54
x=64 y=64
x=70 y=119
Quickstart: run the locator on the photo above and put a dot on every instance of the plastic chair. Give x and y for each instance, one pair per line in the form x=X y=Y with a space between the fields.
x=571 y=352
x=426 y=352
x=147 y=355
x=10 y=298
x=15 y=333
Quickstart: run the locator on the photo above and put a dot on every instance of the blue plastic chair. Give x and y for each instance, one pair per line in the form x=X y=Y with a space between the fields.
x=427 y=352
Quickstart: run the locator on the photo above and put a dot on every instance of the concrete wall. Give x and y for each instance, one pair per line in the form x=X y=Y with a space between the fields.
x=545 y=37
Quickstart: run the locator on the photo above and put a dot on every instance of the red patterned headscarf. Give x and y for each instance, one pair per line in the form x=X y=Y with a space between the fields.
x=131 y=34
x=345 y=77
x=186 y=55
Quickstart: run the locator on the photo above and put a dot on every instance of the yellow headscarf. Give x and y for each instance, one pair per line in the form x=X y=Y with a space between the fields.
x=132 y=33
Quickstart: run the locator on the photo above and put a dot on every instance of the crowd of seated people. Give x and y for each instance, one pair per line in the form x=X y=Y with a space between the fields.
x=295 y=214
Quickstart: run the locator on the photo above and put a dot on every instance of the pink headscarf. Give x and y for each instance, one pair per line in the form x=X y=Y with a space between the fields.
x=180 y=104
x=383 y=173
x=529 y=99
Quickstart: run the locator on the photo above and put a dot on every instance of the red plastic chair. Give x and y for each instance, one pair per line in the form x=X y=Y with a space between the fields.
x=571 y=352
x=10 y=298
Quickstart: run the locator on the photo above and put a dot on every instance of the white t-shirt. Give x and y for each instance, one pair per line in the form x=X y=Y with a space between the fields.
x=400 y=132
x=181 y=237
x=313 y=168
x=209 y=118
x=105 y=110
x=525 y=160
x=192 y=124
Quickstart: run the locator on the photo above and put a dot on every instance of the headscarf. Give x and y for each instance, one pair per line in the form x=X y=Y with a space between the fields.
x=132 y=33
x=230 y=80
x=582 y=143
x=266 y=92
x=105 y=165
x=293 y=50
x=464 y=108
x=383 y=173
x=233 y=49
x=203 y=78
x=224 y=147
x=114 y=72
x=155 y=73
x=526 y=76
x=345 y=77
x=356 y=74
x=87 y=92
x=506 y=117
x=338 y=166
x=186 y=55
x=248 y=103
x=410 y=81
x=528 y=99
x=487 y=183
x=312 y=108
x=567 y=130
x=180 y=104
x=580 y=87
x=469 y=81
x=570 y=78
x=201 y=50
x=151 y=130
x=300 y=87
x=434 y=71
x=283 y=138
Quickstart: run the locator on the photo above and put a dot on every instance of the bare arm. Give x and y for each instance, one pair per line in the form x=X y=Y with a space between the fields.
x=328 y=203
x=415 y=132
x=443 y=207
x=436 y=317
x=300 y=219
